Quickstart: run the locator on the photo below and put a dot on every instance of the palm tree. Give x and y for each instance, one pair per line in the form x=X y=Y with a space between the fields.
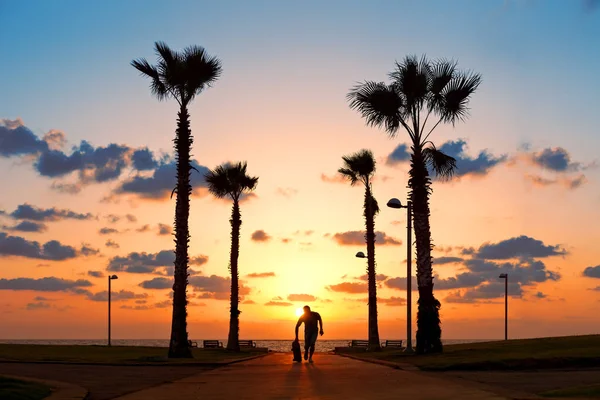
x=361 y=167
x=420 y=89
x=182 y=76
x=231 y=180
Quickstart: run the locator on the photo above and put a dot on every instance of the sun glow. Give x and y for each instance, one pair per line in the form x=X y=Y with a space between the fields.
x=299 y=312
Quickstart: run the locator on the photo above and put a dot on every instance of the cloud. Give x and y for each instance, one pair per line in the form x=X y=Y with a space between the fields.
x=399 y=283
x=48 y=284
x=112 y=243
x=55 y=139
x=18 y=246
x=18 y=140
x=278 y=303
x=161 y=183
x=27 y=226
x=40 y=305
x=301 y=297
x=555 y=159
x=378 y=278
x=143 y=228
x=86 y=250
x=94 y=164
x=540 y=295
x=447 y=260
x=521 y=246
x=28 y=212
x=357 y=238
x=392 y=301
x=286 y=192
x=96 y=274
x=592 y=272
x=107 y=231
x=143 y=159
x=260 y=236
x=337 y=178
x=465 y=164
x=115 y=296
x=568 y=182
x=248 y=302
x=157 y=283
x=215 y=287
x=286 y=240
x=164 y=229
x=149 y=262
x=348 y=287
x=113 y=218
x=261 y=275
x=400 y=154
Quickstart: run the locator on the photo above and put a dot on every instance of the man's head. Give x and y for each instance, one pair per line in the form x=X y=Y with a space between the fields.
x=306 y=309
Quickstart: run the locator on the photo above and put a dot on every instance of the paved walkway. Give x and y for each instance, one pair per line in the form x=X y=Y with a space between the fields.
x=330 y=377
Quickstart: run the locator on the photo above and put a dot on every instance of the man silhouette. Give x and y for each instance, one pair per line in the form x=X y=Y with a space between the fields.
x=310 y=319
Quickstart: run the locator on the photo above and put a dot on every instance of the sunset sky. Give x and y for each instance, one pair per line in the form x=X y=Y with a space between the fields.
x=87 y=167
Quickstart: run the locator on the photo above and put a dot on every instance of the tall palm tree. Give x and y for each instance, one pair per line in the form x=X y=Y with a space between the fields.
x=360 y=167
x=182 y=76
x=231 y=180
x=420 y=89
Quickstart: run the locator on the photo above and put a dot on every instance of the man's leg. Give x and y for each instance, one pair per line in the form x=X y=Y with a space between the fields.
x=313 y=342
x=307 y=339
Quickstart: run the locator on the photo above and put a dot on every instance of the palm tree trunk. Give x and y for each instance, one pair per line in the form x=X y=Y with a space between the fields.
x=371 y=275
x=233 y=342
x=178 y=346
x=429 y=331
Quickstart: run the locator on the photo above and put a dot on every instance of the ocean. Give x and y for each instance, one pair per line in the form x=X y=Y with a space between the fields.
x=323 y=346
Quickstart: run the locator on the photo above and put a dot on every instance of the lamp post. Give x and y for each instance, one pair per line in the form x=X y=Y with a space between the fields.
x=395 y=203
x=505 y=277
x=110 y=278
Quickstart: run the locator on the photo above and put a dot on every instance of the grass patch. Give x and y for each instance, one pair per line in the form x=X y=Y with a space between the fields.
x=523 y=354
x=579 y=391
x=114 y=354
x=13 y=389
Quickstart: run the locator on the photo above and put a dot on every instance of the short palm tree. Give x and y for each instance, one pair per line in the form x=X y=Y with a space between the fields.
x=182 y=76
x=360 y=167
x=231 y=180
x=420 y=89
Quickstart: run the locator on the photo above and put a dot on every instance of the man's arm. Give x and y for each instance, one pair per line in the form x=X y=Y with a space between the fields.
x=298 y=326
x=321 y=324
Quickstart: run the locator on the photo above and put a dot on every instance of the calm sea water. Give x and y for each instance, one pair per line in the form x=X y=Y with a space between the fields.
x=273 y=345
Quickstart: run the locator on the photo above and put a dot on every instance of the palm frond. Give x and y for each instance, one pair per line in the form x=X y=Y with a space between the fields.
x=412 y=78
x=442 y=72
x=442 y=164
x=218 y=181
x=157 y=87
x=362 y=163
x=348 y=173
x=230 y=179
x=456 y=96
x=201 y=70
x=379 y=104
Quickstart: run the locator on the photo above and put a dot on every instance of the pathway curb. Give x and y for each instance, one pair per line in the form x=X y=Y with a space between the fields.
x=60 y=390
x=402 y=366
x=141 y=364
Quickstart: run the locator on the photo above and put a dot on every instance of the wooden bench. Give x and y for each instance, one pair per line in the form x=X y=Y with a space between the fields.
x=392 y=343
x=359 y=343
x=212 y=344
x=192 y=344
x=247 y=343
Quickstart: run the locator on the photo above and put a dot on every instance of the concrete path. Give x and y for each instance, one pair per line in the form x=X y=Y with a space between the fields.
x=330 y=377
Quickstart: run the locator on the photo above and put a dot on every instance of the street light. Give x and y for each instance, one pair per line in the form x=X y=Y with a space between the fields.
x=395 y=203
x=505 y=277
x=110 y=278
